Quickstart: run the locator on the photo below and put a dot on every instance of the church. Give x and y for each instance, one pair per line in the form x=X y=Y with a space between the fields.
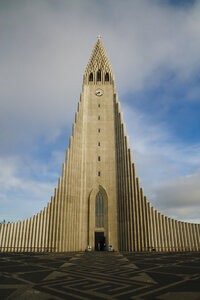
x=99 y=203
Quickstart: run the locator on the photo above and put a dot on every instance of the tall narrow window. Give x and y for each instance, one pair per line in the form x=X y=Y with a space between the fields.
x=99 y=130
x=99 y=211
x=99 y=105
x=99 y=144
x=99 y=158
x=99 y=75
x=107 y=77
x=99 y=173
x=91 y=77
x=98 y=117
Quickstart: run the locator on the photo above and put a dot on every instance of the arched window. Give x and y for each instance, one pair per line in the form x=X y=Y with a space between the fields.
x=91 y=77
x=99 y=211
x=107 y=77
x=99 y=75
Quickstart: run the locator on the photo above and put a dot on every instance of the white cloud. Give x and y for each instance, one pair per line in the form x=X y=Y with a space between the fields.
x=22 y=196
x=45 y=47
x=169 y=170
x=180 y=198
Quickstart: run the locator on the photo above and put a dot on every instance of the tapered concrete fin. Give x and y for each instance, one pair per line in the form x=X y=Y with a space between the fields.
x=99 y=60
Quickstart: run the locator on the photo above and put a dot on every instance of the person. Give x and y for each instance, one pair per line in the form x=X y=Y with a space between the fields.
x=96 y=248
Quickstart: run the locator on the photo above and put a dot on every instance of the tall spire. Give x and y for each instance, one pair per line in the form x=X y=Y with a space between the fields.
x=99 y=60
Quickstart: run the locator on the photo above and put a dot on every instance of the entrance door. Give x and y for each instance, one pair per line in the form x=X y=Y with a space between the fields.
x=99 y=241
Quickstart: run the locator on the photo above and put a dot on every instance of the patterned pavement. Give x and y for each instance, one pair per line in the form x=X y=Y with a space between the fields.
x=99 y=275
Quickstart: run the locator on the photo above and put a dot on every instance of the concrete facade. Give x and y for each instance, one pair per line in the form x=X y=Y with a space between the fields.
x=99 y=195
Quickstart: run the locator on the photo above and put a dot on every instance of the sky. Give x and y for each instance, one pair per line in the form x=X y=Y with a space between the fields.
x=154 y=50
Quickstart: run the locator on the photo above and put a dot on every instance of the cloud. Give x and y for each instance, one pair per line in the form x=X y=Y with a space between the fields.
x=23 y=194
x=45 y=46
x=180 y=198
x=169 y=170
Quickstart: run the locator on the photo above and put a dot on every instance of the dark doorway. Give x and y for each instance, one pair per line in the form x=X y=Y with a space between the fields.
x=100 y=241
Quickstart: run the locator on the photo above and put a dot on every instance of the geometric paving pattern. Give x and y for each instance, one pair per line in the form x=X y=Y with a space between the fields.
x=100 y=275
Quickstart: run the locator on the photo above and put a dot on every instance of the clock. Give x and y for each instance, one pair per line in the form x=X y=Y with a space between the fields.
x=99 y=93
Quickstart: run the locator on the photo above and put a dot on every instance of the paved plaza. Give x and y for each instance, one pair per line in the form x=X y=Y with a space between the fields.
x=99 y=275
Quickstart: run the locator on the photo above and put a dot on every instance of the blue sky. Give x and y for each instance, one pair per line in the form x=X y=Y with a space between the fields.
x=154 y=50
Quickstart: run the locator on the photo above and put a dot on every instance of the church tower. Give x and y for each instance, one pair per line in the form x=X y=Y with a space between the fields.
x=99 y=201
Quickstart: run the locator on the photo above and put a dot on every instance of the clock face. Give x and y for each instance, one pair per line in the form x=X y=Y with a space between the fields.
x=99 y=93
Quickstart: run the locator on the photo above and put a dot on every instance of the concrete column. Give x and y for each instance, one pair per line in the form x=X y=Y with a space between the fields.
x=44 y=232
x=14 y=237
x=169 y=234
x=151 y=225
x=188 y=236
x=7 y=237
x=36 y=233
x=175 y=235
x=180 y=236
x=10 y=238
x=64 y=205
x=134 y=233
x=198 y=235
x=4 y=230
x=27 y=235
x=130 y=200
x=58 y=227
x=118 y=150
x=73 y=195
x=195 y=237
x=17 y=236
x=55 y=220
x=166 y=246
x=157 y=230
x=148 y=212
x=136 y=210
x=47 y=244
x=172 y=235
x=122 y=237
x=32 y=242
x=1 y=236
x=30 y=235
x=185 y=236
x=20 y=237
x=124 y=216
x=69 y=200
x=191 y=236
x=144 y=202
x=140 y=215
x=24 y=235
x=162 y=242
x=62 y=197
x=41 y=247
x=155 y=245
x=51 y=223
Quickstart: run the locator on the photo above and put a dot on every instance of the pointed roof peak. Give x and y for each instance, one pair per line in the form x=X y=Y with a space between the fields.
x=98 y=59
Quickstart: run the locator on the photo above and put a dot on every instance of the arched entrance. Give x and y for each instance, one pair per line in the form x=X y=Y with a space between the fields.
x=98 y=219
x=100 y=242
